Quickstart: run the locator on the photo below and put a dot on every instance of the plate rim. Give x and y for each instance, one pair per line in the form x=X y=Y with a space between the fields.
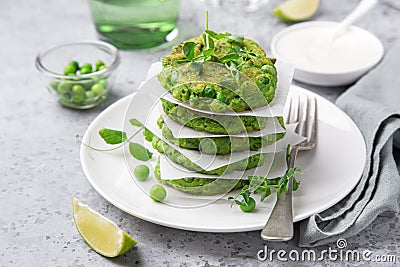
x=134 y=211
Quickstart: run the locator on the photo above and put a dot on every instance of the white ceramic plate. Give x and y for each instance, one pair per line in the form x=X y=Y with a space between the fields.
x=331 y=171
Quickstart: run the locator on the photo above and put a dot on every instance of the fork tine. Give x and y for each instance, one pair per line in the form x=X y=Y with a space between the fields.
x=296 y=112
x=312 y=129
x=299 y=119
x=303 y=119
x=288 y=116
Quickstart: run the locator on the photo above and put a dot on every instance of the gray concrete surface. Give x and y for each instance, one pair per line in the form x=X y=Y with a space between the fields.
x=39 y=161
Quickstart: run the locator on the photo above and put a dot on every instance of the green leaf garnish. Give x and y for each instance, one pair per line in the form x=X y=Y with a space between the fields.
x=296 y=184
x=265 y=193
x=235 y=37
x=112 y=137
x=229 y=57
x=217 y=36
x=139 y=152
x=148 y=135
x=208 y=52
x=136 y=122
x=188 y=50
x=110 y=149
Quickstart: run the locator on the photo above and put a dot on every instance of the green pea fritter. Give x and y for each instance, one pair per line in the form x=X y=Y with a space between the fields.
x=246 y=82
x=220 y=145
x=201 y=186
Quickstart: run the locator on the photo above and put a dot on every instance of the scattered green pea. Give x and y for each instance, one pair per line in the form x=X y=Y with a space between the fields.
x=98 y=90
x=141 y=172
x=158 y=193
x=248 y=207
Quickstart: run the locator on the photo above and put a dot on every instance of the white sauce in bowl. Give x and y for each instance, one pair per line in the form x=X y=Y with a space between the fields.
x=309 y=47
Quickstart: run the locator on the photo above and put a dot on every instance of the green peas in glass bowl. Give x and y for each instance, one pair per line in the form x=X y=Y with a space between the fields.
x=79 y=74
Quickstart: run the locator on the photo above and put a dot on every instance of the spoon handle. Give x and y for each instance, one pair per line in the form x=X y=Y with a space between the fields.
x=361 y=9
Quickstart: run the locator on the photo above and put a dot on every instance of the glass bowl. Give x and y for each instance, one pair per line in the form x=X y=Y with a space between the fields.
x=68 y=76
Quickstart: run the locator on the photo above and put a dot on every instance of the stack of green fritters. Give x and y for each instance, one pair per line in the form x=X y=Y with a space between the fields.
x=235 y=76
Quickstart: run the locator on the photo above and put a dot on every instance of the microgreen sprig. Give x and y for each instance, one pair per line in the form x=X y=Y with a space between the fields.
x=262 y=186
x=114 y=137
x=208 y=53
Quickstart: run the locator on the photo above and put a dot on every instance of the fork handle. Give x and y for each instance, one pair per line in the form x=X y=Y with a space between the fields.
x=279 y=226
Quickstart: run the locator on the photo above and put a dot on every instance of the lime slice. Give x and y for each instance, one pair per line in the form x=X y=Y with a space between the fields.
x=296 y=10
x=101 y=234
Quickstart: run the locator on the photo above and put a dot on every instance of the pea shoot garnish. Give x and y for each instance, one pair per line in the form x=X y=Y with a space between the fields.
x=239 y=56
x=262 y=186
x=114 y=137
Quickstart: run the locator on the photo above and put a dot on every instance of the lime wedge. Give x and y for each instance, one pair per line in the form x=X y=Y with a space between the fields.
x=296 y=10
x=101 y=234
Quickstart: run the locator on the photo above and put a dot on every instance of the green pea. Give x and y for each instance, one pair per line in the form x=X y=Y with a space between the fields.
x=75 y=64
x=158 y=193
x=221 y=96
x=262 y=80
x=64 y=87
x=77 y=94
x=194 y=99
x=99 y=63
x=208 y=146
x=141 y=172
x=87 y=66
x=90 y=101
x=102 y=82
x=247 y=207
x=269 y=69
x=102 y=67
x=98 y=90
x=209 y=92
x=70 y=69
x=85 y=70
x=89 y=94
x=87 y=84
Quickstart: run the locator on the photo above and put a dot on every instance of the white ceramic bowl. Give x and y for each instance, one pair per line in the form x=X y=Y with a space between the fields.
x=317 y=76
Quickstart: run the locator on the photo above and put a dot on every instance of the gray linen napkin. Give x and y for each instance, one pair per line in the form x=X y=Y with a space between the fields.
x=374 y=104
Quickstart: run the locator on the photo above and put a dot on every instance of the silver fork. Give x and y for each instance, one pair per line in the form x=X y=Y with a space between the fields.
x=279 y=226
